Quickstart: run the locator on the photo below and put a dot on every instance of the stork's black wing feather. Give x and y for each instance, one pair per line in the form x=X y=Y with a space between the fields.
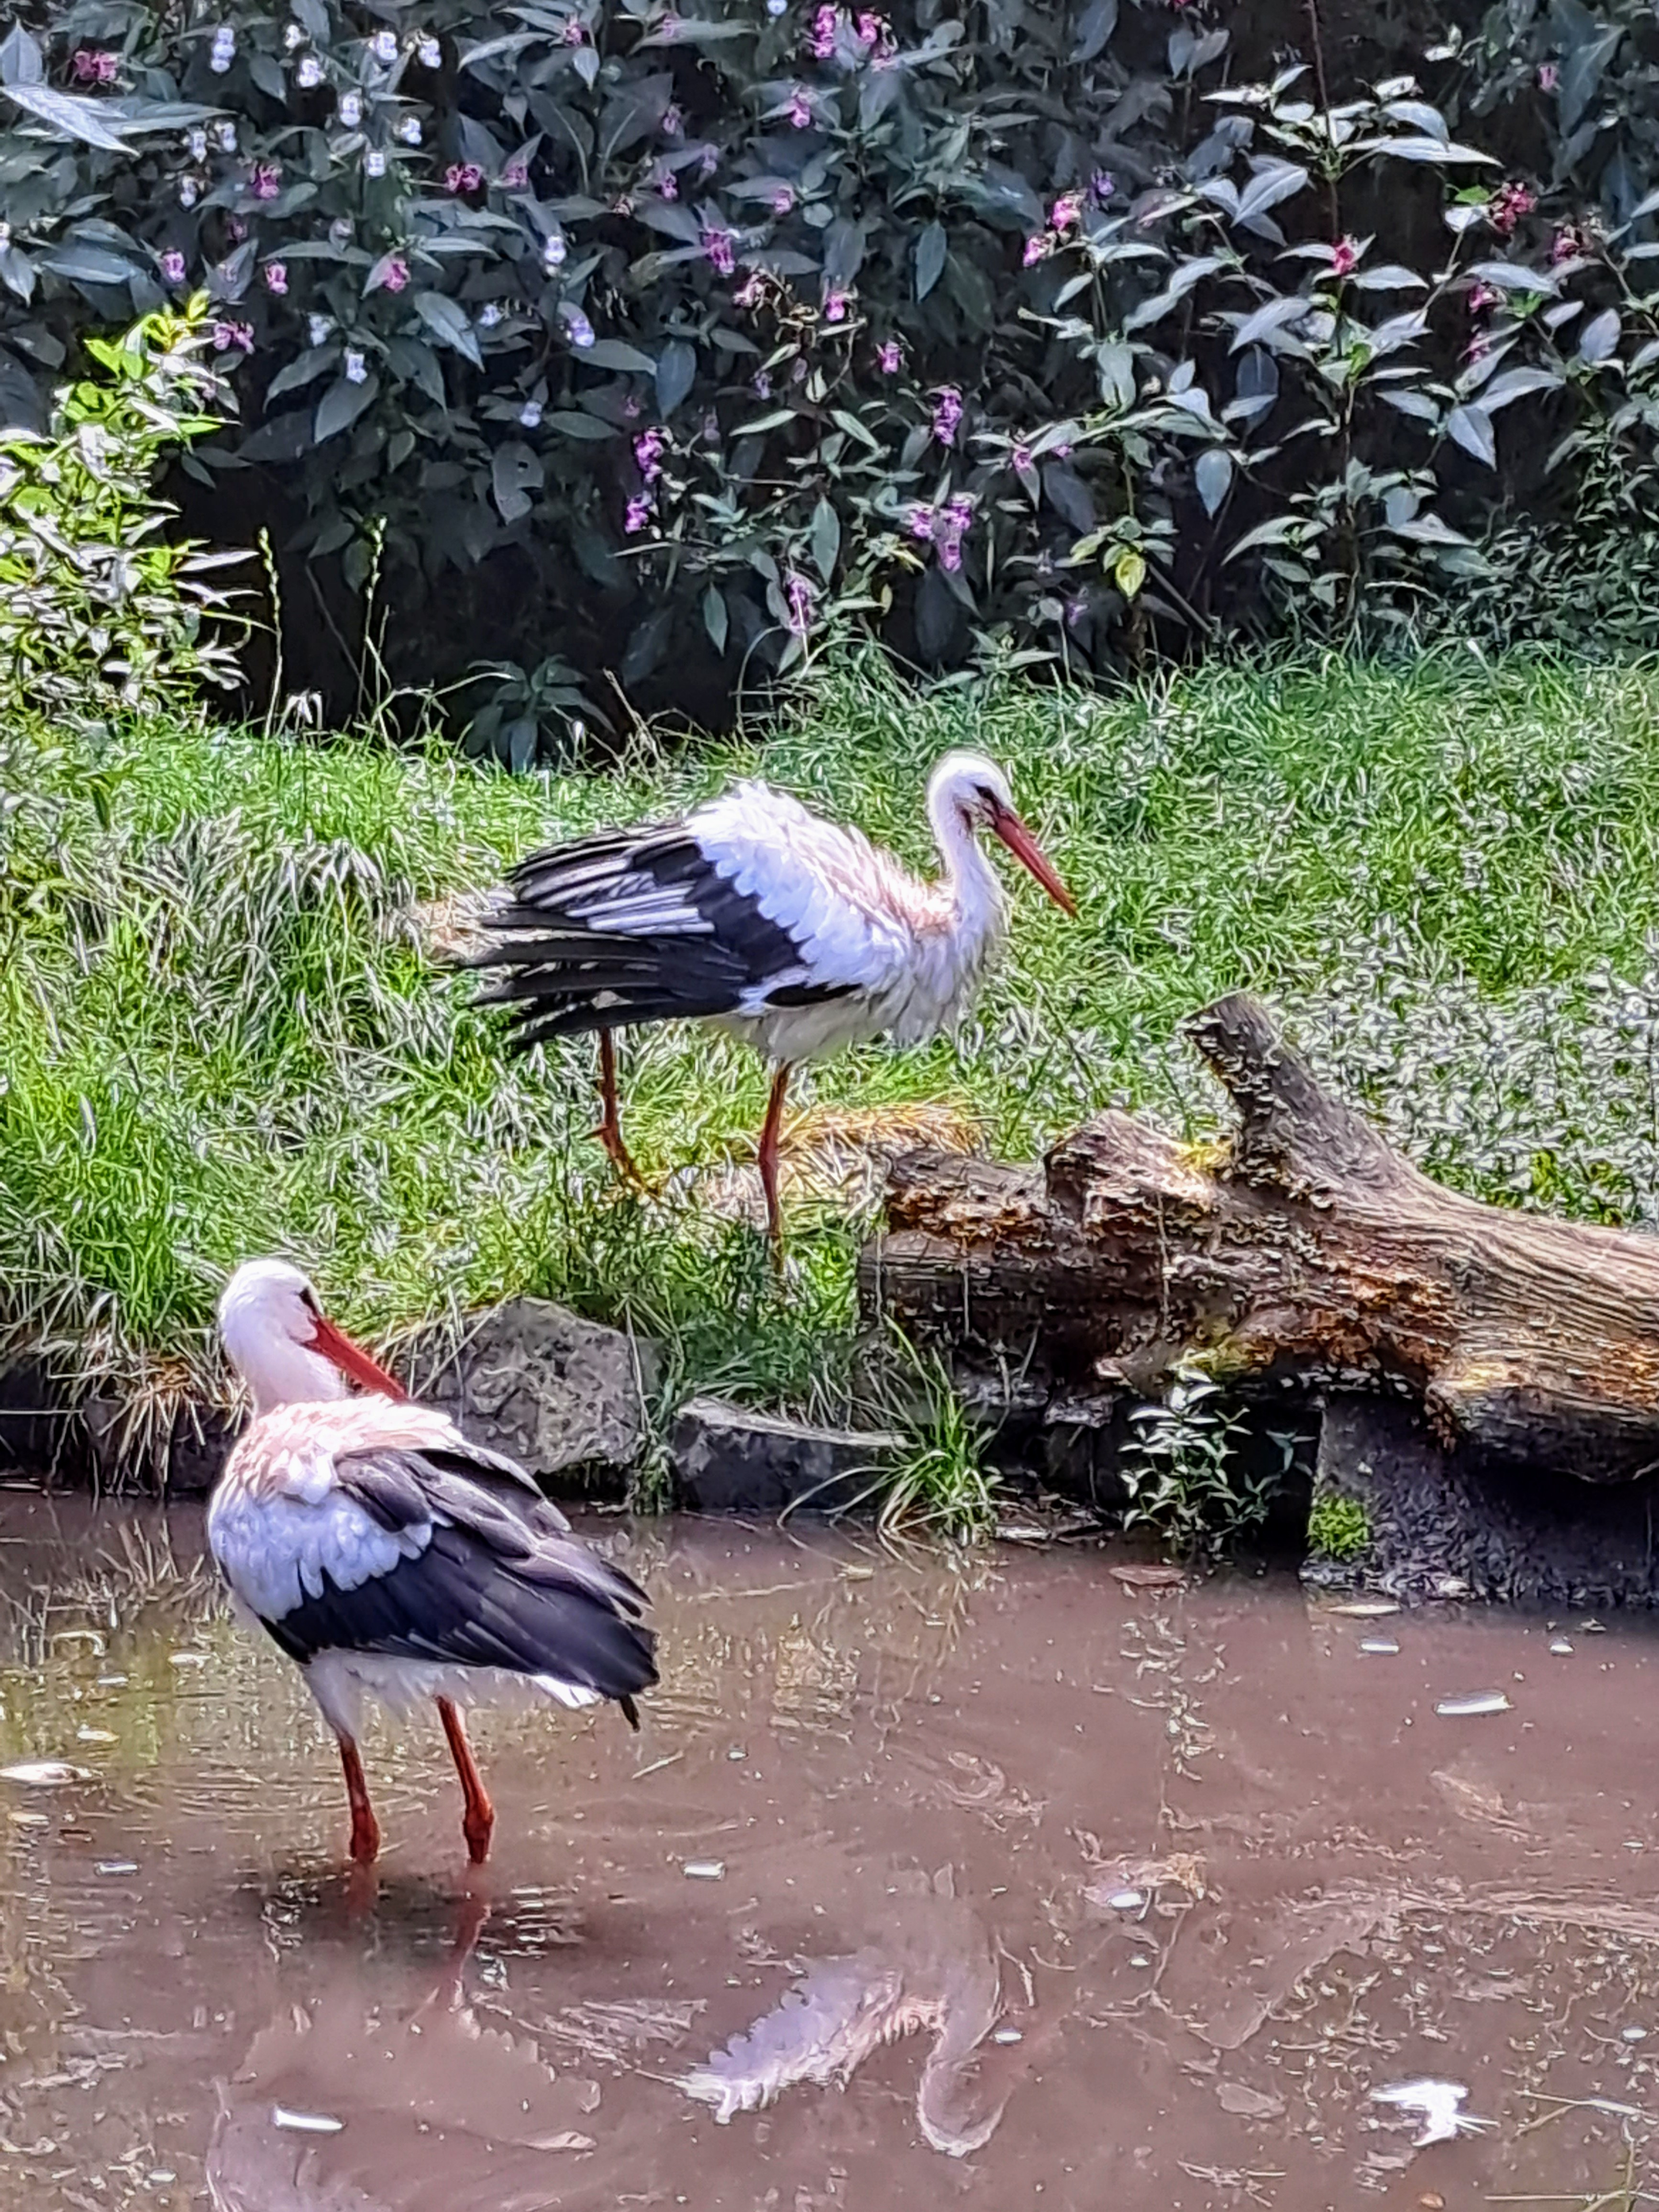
x=500 y=1581
x=627 y=926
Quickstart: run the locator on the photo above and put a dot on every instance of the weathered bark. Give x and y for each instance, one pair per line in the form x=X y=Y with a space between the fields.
x=1305 y=1253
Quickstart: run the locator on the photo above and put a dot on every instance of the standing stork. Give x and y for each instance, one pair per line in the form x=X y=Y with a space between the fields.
x=385 y=1553
x=794 y=932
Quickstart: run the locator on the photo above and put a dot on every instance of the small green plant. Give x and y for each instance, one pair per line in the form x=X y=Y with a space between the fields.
x=1181 y=1470
x=941 y=1485
x=539 y=713
x=1338 y=1528
x=100 y=610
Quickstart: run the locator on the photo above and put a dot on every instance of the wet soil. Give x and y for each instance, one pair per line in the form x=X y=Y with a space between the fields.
x=1093 y=1898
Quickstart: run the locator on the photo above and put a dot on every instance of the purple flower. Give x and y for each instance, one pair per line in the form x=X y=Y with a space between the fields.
x=580 y=330
x=1037 y=249
x=782 y=200
x=630 y=408
x=514 y=177
x=266 y=180
x=1103 y=184
x=947 y=414
x=835 y=307
x=920 y=524
x=708 y=161
x=711 y=428
x=230 y=336
x=1020 y=460
x=1549 y=75
x=1345 y=257
x=396 y=274
x=822 y=40
x=1063 y=451
x=276 y=278
x=1482 y=296
x=1507 y=205
x=889 y=357
x=668 y=185
x=1067 y=212
x=960 y=510
x=761 y=385
x=648 y=454
x=95 y=66
x=800 y=595
x=751 y=292
x=872 y=28
x=717 y=248
x=638 y=514
x=799 y=110
x=172 y=266
x=673 y=123
x=575 y=32
x=463 y=177
x=237 y=228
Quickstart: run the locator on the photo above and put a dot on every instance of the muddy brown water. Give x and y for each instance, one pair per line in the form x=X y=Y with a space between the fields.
x=1092 y=1899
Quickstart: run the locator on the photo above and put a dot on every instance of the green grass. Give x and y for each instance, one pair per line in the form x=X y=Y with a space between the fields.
x=220 y=1033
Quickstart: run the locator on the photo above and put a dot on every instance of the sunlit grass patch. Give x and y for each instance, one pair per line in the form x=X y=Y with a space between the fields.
x=225 y=1026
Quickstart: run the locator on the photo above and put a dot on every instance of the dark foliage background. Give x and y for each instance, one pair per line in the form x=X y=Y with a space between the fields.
x=590 y=338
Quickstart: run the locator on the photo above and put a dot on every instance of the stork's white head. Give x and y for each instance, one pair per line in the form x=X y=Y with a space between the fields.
x=967 y=788
x=284 y=1347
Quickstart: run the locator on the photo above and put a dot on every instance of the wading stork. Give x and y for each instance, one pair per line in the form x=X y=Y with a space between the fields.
x=794 y=932
x=386 y=1554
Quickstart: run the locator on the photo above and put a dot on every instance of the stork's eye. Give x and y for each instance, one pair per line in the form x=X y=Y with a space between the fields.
x=308 y=1299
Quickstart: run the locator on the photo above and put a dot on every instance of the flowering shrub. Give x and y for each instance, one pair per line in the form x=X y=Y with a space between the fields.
x=681 y=341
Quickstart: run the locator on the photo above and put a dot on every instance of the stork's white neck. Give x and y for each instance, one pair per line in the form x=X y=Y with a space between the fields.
x=279 y=1371
x=970 y=882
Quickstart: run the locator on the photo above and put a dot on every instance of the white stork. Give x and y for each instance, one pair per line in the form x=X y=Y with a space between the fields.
x=795 y=933
x=385 y=1553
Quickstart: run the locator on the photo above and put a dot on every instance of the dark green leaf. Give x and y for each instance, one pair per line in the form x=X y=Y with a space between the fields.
x=1470 y=426
x=826 y=539
x=616 y=354
x=1095 y=27
x=930 y=250
x=515 y=473
x=714 y=618
x=446 y=320
x=21 y=61
x=69 y=115
x=1212 y=477
x=677 y=372
x=1599 y=339
x=342 y=404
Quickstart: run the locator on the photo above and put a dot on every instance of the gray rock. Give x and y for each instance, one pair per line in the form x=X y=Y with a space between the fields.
x=560 y=1395
x=729 y=1460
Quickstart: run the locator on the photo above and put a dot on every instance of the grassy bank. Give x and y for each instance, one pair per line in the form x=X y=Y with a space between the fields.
x=220 y=1031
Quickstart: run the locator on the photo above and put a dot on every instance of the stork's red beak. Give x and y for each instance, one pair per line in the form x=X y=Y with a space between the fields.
x=1026 y=850
x=352 y=1359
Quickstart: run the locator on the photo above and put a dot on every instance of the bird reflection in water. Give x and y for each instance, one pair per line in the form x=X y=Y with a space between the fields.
x=344 y=2104
x=937 y=1978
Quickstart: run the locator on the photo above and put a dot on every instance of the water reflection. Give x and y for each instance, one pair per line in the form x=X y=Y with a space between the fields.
x=921 y=1883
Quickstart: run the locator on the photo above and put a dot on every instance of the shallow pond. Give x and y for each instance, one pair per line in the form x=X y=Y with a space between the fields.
x=1095 y=1897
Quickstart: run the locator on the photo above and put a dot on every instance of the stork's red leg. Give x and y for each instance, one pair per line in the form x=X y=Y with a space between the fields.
x=479 y=1820
x=608 y=1132
x=365 y=1828
x=771 y=1129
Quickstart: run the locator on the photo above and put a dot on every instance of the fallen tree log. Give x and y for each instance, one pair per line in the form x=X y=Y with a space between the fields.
x=1303 y=1257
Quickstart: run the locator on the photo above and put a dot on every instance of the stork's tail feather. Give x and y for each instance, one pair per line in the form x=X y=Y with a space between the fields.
x=627 y=926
